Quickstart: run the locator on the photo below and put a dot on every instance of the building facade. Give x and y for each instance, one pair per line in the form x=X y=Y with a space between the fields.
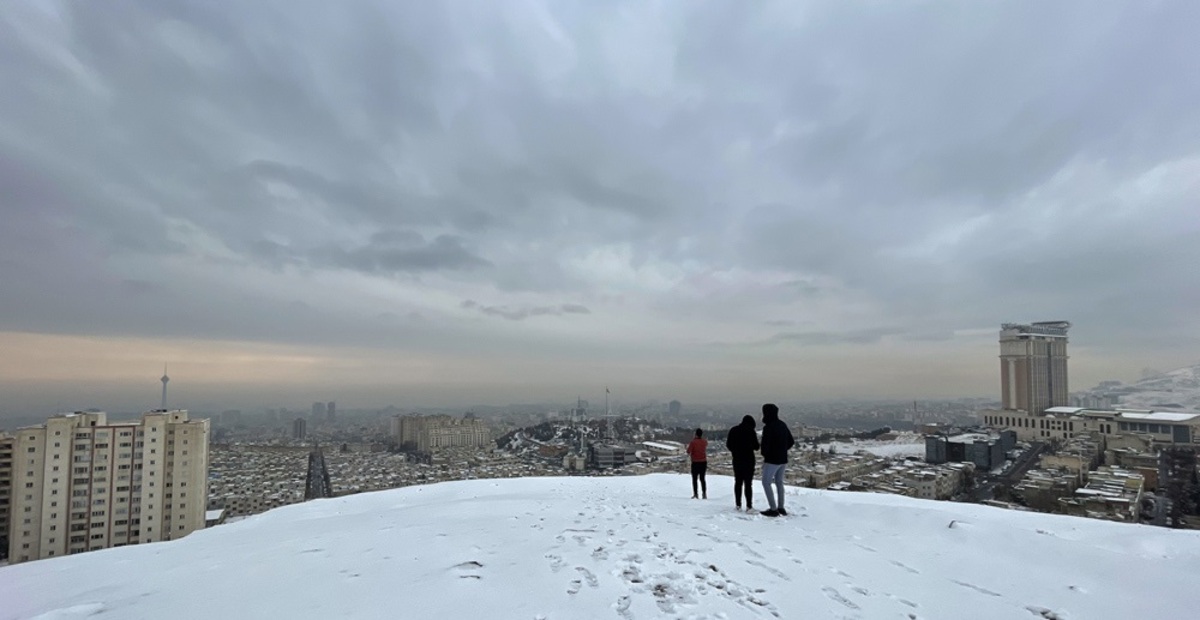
x=6 y=460
x=81 y=483
x=986 y=452
x=434 y=432
x=299 y=429
x=609 y=456
x=1033 y=366
x=1062 y=423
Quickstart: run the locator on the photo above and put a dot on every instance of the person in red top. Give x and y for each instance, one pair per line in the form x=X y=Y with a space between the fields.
x=698 y=450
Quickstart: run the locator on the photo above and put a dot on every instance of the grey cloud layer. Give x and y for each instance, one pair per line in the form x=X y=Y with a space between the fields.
x=517 y=314
x=865 y=172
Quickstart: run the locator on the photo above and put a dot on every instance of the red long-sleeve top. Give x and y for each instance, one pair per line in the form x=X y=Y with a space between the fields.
x=698 y=450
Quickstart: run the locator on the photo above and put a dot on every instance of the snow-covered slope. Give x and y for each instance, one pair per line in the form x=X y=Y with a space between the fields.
x=1174 y=390
x=622 y=548
x=1180 y=387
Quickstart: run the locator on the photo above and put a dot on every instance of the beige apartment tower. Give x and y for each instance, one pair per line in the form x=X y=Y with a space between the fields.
x=1033 y=366
x=82 y=483
x=433 y=432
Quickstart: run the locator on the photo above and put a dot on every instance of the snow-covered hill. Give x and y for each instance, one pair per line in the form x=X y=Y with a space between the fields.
x=1174 y=390
x=622 y=548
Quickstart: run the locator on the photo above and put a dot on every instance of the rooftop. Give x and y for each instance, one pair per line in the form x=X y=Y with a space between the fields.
x=1159 y=416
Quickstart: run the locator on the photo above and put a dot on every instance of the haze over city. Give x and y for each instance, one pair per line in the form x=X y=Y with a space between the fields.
x=463 y=203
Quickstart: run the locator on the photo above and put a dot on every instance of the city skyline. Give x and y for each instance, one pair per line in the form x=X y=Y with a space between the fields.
x=475 y=203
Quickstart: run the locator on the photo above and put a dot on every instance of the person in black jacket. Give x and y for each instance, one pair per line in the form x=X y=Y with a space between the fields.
x=742 y=442
x=776 y=441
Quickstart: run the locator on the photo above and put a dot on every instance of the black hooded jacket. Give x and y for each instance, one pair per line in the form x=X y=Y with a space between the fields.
x=743 y=441
x=776 y=440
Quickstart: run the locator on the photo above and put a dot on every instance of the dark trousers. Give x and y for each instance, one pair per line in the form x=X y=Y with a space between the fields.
x=698 y=470
x=743 y=478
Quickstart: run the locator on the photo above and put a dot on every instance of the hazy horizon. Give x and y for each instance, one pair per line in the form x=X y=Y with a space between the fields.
x=464 y=203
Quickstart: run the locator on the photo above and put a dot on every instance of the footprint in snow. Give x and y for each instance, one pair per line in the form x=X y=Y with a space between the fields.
x=622 y=606
x=466 y=570
x=837 y=597
x=770 y=569
x=589 y=576
x=976 y=588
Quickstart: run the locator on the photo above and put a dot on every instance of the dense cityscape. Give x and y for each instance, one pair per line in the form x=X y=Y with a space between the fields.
x=1116 y=464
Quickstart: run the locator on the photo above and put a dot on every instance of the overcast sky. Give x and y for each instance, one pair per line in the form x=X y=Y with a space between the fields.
x=492 y=202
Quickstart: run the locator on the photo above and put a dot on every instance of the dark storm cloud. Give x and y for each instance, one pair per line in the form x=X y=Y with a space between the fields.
x=926 y=167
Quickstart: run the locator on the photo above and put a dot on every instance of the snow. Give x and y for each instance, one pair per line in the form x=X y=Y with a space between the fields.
x=1159 y=416
x=887 y=449
x=1177 y=389
x=625 y=548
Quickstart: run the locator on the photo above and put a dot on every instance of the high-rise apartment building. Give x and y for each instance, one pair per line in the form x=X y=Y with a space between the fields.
x=331 y=411
x=299 y=428
x=1033 y=366
x=430 y=433
x=6 y=452
x=82 y=483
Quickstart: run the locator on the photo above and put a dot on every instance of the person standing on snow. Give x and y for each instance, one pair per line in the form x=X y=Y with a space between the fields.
x=742 y=442
x=698 y=451
x=776 y=441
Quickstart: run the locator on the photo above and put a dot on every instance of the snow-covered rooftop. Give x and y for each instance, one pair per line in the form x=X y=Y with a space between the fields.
x=625 y=548
x=969 y=438
x=1160 y=416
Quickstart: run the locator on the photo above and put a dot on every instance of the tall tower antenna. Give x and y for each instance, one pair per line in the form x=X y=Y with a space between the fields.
x=164 y=380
